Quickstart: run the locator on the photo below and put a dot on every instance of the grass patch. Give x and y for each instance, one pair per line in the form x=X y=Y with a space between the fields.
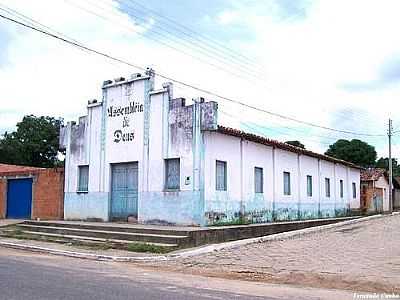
x=145 y=247
x=17 y=233
x=240 y=221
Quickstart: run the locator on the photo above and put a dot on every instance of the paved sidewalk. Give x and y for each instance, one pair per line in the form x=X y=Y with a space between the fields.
x=362 y=257
x=77 y=251
x=7 y=222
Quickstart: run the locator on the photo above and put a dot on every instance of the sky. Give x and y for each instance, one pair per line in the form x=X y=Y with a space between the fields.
x=331 y=63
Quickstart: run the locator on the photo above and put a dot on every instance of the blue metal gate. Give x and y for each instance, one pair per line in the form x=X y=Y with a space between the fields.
x=124 y=191
x=19 y=198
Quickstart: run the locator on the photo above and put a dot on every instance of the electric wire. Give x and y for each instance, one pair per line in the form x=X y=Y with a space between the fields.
x=180 y=82
x=165 y=41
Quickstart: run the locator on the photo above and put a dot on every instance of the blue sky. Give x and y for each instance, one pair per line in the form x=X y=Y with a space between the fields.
x=334 y=63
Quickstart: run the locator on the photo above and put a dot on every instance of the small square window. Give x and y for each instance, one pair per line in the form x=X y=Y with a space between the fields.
x=172 y=174
x=286 y=183
x=327 y=187
x=220 y=175
x=83 y=178
x=258 y=180
x=309 y=185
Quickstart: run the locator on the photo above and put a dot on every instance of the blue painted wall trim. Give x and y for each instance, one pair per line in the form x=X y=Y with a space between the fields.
x=83 y=206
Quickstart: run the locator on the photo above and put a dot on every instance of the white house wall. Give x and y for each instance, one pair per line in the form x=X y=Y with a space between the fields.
x=354 y=176
x=83 y=149
x=222 y=205
x=384 y=185
x=170 y=136
x=240 y=198
x=156 y=127
x=309 y=205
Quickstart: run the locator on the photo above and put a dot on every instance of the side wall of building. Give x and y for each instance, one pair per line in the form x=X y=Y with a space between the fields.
x=175 y=133
x=384 y=185
x=172 y=130
x=47 y=196
x=240 y=203
x=83 y=148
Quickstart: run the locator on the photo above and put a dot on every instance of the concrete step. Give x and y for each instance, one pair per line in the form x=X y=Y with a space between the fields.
x=93 y=239
x=104 y=234
x=112 y=227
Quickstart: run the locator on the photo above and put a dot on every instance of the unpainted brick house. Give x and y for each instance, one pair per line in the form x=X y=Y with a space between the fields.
x=31 y=193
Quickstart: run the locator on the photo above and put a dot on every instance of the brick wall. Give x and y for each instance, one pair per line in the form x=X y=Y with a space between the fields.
x=367 y=194
x=2 y=198
x=48 y=192
x=48 y=197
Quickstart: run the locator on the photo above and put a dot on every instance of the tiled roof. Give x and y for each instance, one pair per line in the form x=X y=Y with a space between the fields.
x=4 y=168
x=372 y=174
x=266 y=141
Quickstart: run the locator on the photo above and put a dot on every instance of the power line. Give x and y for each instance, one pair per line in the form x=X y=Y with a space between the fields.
x=108 y=56
x=222 y=64
x=192 y=35
x=187 y=38
x=257 y=127
x=196 y=35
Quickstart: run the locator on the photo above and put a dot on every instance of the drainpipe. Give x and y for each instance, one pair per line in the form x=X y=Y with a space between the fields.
x=298 y=186
x=273 y=184
x=334 y=188
x=319 y=188
x=374 y=196
x=242 y=209
x=198 y=160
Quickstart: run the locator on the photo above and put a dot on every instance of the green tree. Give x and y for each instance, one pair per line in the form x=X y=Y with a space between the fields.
x=34 y=143
x=355 y=151
x=296 y=143
x=384 y=164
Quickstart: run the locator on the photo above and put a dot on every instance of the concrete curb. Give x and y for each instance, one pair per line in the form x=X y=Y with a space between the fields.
x=189 y=253
x=82 y=255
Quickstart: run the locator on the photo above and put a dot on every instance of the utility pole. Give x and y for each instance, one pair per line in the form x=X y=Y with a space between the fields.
x=390 y=167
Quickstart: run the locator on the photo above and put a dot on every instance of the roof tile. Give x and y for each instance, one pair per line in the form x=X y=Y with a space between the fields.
x=266 y=141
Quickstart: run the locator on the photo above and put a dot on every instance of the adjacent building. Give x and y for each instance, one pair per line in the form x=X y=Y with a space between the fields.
x=31 y=192
x=141 y=154
x=374 y=190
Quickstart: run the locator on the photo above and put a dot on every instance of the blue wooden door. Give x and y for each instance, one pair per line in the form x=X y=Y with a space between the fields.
x=124 y=191
x=19 y=198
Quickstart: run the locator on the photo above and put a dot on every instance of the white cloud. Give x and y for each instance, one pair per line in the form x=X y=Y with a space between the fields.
x=228 y=17
x=305 y=62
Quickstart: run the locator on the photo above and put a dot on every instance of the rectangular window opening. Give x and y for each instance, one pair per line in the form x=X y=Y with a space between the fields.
x=354 y=190
x=258 y=180
x=220 y=176
x=172 y=174
x=327 y=187
x=286 y=183
x=309 y=185
x=341 y=188
x=83 y=178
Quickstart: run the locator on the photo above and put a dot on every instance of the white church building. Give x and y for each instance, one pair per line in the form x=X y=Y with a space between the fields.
x=141 y=154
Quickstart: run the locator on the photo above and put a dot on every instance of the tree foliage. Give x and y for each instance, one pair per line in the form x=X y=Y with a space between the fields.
x=296 y=143
x=355 y=151
x=34 y=143
x=384 y=164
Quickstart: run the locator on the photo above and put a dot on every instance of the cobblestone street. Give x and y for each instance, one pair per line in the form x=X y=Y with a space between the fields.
x=364 y=256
